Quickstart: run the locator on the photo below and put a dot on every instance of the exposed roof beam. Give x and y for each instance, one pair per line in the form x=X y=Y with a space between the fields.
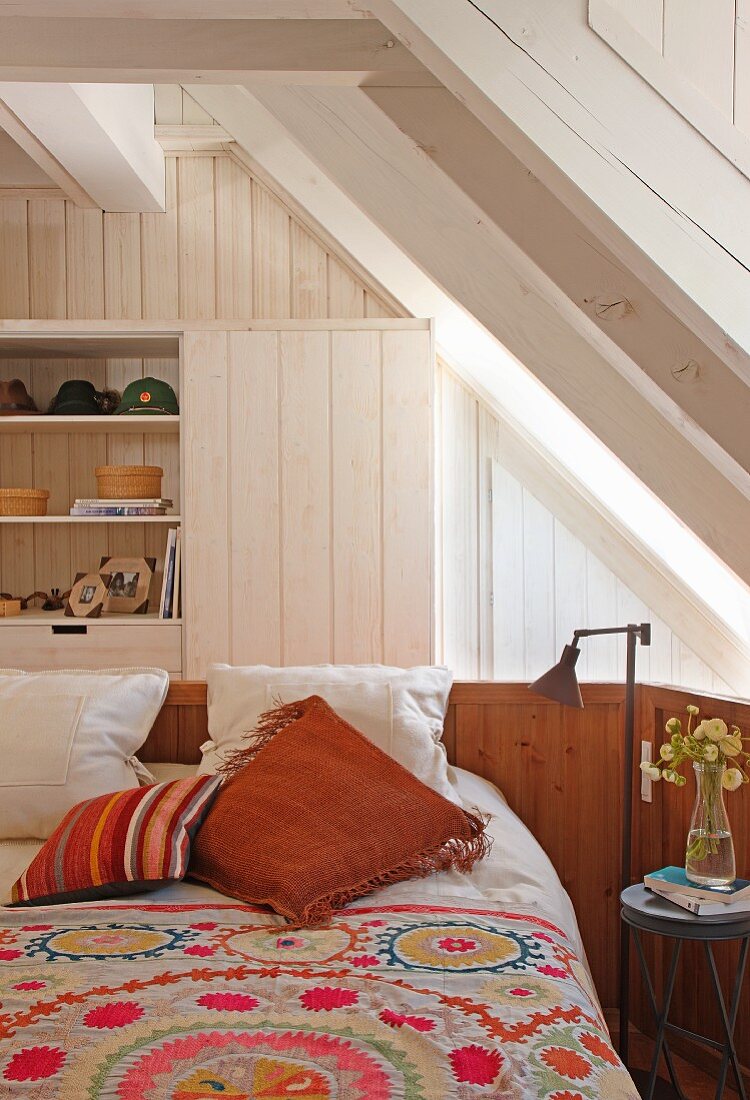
x=671 y=357
x=101 y=136
x=400 y=188
x=649 y=186
x=297 y=51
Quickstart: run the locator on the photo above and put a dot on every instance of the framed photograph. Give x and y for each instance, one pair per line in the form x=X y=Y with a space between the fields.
x=87 y=595
x=128 y=585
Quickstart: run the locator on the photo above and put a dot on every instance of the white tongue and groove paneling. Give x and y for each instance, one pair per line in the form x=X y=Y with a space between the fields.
x=308 y=494
x=516 y=580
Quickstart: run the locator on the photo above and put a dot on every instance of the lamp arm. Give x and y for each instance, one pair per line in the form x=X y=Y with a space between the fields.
x=641 y=631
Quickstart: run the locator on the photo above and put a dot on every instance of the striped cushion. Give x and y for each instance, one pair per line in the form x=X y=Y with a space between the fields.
x=119 y=844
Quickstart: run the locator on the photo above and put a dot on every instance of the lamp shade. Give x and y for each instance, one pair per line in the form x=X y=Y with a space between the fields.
x=561 y=682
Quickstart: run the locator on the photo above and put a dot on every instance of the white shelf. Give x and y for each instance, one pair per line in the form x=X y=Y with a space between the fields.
x=34 y=616
x=91 y=519
x=132 y=424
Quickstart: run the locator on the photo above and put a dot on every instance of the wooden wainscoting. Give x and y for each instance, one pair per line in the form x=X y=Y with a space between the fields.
x=561 y=771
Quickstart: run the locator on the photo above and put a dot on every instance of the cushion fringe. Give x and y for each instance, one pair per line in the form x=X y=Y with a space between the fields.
x=459 y=853
x=269 y=724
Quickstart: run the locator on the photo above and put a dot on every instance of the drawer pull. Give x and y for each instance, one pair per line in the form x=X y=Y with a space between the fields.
x=78 y=629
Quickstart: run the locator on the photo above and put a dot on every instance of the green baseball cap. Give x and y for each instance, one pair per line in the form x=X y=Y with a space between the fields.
x=148 y=396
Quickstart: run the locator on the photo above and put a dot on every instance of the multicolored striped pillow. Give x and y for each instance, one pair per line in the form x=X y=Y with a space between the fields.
x=119 y=844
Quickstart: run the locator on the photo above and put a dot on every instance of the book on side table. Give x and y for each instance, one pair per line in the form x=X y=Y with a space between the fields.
x=673 y=884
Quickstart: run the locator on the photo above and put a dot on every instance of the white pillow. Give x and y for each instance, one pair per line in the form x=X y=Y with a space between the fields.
x=67 y=736
x=400 y=710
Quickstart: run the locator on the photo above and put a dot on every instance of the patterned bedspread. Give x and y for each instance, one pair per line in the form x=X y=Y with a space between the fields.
x=131 y=1002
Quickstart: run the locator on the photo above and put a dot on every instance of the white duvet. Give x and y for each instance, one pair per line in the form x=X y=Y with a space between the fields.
x=516 y=874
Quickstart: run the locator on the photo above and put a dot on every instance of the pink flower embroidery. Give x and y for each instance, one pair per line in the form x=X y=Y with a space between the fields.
x=365 y=960
x=204 y=926
x=34 y=1063
x=543 y=936
x=552 y=971
x=373 y=924
x=24 y=986
x=36 y=927
x=519 y=991
x=114 y=1014
x=452 y=943
x=475 y=1065
x=397 y=1019
x=10 y=953
x=229 y=1002
x=326 y=997
x=200 y=950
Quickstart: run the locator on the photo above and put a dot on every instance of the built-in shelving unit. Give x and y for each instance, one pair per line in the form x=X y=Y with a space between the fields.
x=66 y=425
x=60 y=453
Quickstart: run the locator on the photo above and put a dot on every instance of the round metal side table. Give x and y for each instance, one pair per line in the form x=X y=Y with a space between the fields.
x=647 y=912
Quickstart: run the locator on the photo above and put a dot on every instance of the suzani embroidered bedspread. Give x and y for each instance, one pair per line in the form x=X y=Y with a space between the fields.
x=417 y=1002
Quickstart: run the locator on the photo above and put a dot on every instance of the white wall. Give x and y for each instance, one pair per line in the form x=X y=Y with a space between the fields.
x=514 y=582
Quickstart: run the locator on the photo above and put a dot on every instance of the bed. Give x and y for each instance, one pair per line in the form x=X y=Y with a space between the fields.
x=461 y=986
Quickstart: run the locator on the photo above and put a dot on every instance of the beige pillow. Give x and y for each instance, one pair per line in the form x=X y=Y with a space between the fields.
x=400 y=710
x=67 y=736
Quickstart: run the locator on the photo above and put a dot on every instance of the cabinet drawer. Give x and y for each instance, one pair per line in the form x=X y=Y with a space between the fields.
x=63 y=645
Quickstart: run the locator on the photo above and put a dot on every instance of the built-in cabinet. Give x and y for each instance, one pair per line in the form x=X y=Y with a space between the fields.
x=301 y=471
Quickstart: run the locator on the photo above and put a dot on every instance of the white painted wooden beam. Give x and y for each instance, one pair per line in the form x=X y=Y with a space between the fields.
x=163 y=51
x=638 y=175
x=100 y=136
x=693 y=378
x=448 y=235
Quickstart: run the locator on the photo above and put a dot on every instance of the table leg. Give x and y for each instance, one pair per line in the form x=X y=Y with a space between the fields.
x=728 y=1021
x=660 y=1017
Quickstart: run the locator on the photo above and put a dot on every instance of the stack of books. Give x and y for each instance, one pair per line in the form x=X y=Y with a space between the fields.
x=169 y=604
x=155 y=506
x=705 y=901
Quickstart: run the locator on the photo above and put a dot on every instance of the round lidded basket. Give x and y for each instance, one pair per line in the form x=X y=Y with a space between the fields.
x=23 y=502
x=128 y=482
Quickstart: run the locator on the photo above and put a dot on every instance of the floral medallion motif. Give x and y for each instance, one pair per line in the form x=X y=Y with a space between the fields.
x=109 y=941
x=463 y=947
x=276 y=945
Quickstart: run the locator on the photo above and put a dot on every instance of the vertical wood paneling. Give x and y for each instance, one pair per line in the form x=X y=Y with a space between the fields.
x=52 y=554
x=234 y=258
x=14 y=259
x=84 y=253
x=271 y=263
x=307 y=603
x=699 y=42
x=407 y=496
x=159 y=278
x=206 y=533
x=254 y=492
x=488 y=444
x=539 y=586
x=460 y=528
x=196 y=259
x=742 y=67
x=509 y=605
x=17 y=470
x=570 y=592
x=357 y=565
x=309 y=275
x=122 y=266
x=376 y=307
x=346 y=295
x=46 y=244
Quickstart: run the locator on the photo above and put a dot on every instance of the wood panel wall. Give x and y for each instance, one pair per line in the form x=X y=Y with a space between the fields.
x=514 y=582
x=308 y=495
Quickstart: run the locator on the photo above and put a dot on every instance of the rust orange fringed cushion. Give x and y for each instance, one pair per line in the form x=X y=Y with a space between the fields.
x=118 y=844
x=313 y=815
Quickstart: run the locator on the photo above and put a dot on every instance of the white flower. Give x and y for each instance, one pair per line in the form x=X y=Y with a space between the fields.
x=673 y=725
x=700 y=731
x=670 y=775
x=651 y=771
x=731 y=745
x=692 y=709
x=716 y=729
x=732 y=779
x=666 y=752
x=711 y=753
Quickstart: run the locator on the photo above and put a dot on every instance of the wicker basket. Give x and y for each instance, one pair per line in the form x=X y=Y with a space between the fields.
x=23 y=502
x=128 y=482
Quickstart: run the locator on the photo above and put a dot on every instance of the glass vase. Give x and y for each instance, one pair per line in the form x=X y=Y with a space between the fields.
x=709 y=857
